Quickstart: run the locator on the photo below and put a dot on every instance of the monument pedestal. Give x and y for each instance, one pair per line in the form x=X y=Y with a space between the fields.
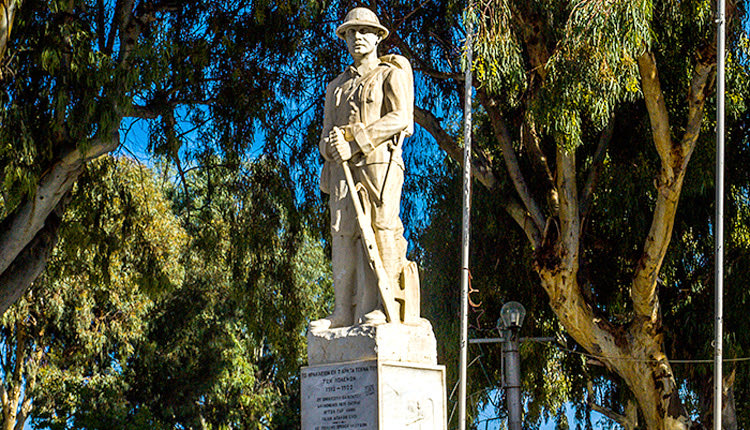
x=382 y=377
x=373 y=395
x=387 y=342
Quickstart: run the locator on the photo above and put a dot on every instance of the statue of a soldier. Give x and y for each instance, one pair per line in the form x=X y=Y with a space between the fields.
x=368 y=113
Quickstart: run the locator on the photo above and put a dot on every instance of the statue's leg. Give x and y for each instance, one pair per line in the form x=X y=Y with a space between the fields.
x=344 y=279
x=367 y=297
x=393 y=252
x=344 y=283
x=368 y=308
x=389 y=231
x=343 y=255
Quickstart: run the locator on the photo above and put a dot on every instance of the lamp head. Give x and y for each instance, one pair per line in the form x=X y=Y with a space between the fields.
x=511 y=315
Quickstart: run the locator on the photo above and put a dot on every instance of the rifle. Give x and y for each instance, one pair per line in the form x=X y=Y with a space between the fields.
x=371 y=250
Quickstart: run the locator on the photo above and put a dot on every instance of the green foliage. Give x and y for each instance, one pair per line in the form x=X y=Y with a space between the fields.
x=145 y=321
x=63 y=98
x=550 y=377
x=569 y=69
x=215 y=303
x=230 y=340
x=498 y=63
x=81 y=323
x=592 y=67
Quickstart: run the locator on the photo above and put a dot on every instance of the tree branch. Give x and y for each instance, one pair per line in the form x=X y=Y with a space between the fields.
x=596 y=167
x=671 y=176
x=30 y=263
x=531 y=25
x=531 y=142
x=530 y=139
x=522 y=217
x=422 y=65
x=143 y=112
x=32 y=371
x=4 y=394
x=657 y=110
x=20 y=227
x=101 y=32
x=700 y=86
x=481 y=170
x=23 y=413
x=117 y=18
x=16 y=379
x=511 y=162
x=135 y=20
x=627 y=422
x=570 y=224
x=480 y=164
x=7 y=15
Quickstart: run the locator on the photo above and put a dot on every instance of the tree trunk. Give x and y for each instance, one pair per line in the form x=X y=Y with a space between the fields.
x=25 y=233
x=729 y=410
x=728 y=407
x=7 y=15
x=13 y=381
x=634 y=352
x=29 y=232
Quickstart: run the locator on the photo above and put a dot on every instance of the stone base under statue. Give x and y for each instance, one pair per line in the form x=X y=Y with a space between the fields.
x=385 y=342
x=373 y=377
x=373 y=395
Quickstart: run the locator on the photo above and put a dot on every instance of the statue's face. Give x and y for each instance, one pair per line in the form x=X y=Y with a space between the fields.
x=362 y=40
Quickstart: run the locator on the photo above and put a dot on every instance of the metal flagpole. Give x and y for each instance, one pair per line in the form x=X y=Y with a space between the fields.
x=465 y=228
x=719 y=219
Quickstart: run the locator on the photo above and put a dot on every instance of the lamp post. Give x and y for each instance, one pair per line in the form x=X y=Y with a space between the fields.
x=511 y=318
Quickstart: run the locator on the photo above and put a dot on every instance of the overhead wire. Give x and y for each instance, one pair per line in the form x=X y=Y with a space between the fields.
x=638 y=360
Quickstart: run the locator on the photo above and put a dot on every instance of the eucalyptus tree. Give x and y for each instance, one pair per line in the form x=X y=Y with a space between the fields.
x=589 y=114
x=68 y=339
x=210 y=79
x=8 y=8
x=144 y=319
x=204 y=76
x=230 y=340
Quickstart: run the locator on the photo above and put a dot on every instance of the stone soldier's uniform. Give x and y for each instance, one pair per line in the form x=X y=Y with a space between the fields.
x=377 y=110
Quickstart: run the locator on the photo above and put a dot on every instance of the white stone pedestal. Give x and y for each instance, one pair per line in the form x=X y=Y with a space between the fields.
x=373 y=395
x=387 y=342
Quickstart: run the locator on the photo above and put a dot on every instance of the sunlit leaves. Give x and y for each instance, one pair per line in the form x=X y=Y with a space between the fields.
x=590 y=65
x=119 y=249
x=499 y=65
x=215 y=303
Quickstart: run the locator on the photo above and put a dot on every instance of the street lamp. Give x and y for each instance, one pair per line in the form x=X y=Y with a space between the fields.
x=511 y=318
x=511 y=314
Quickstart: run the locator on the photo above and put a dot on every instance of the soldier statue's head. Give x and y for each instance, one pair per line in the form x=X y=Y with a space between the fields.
x=362 y=32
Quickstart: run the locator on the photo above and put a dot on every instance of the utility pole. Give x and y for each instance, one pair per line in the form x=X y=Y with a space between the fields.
x=465 y=227
x=509 y=324
x=719 y=219
x=512 y=378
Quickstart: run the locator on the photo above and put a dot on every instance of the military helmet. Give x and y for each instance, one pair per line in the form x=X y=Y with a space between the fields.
x=361 y=16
